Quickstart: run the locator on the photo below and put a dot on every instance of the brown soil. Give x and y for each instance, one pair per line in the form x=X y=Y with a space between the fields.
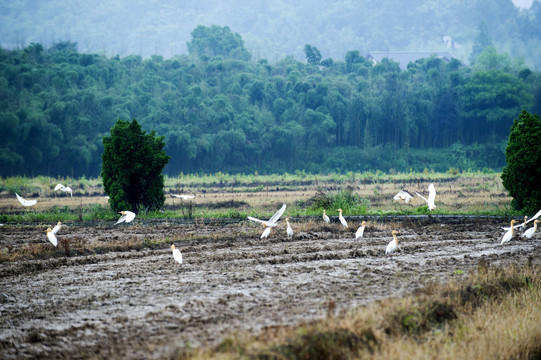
x=122 y=301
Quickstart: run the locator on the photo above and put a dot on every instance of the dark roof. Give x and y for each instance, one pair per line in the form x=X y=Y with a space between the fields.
x=405 y=57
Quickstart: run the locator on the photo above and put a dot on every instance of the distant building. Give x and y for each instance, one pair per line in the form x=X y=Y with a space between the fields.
x=405 y=57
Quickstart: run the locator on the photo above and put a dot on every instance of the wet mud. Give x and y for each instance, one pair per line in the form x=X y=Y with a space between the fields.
x=126 y=302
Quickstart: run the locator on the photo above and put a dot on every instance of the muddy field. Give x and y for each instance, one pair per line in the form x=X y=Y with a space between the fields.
x=108 y=302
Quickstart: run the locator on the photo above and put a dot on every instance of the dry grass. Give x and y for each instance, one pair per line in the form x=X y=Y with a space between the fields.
x=494 y=314
x=463 y=193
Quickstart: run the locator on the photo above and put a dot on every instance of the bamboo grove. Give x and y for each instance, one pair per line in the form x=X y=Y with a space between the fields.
x=219 y=111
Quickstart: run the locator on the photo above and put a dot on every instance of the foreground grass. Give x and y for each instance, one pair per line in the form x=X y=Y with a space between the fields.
x=493 y=314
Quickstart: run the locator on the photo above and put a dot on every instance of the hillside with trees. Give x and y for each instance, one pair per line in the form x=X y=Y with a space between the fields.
x=276 y=29
x=219 y=111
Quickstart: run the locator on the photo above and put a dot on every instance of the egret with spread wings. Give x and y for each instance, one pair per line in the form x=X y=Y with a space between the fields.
x=431 y=197
x=269 y=224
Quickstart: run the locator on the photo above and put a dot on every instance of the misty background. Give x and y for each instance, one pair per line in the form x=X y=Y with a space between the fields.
x=273 y=30
x=244 y=87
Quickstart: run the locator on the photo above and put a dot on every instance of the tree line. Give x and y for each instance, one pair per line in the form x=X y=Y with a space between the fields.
x=219 y=111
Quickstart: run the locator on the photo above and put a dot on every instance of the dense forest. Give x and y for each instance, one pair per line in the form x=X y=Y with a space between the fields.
x=218 y=110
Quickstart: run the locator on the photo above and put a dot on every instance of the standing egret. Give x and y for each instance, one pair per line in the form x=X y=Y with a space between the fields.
x=360 y=230
x=342 y=219
x=326 y=217
x=269 y=224
x=176 y=254
x=403 y=195
x=289 y=229
x=528 y=234
x=509 y=234
x=391 y=247
x=52 y=237
x=431 y=197
x=57 y=227
x=25 y=202
x=183 y=196
x=63 y=188
x=127 y=216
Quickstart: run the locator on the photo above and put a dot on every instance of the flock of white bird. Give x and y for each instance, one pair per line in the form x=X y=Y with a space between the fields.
x=403 y=196
x=126 y=216
x=268 y=225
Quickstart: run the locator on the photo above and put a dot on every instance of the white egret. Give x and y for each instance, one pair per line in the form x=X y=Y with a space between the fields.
x=176 y=254
x=25 y=202
x=63 y=188
x=342 y=219
x=403 y=195
x=326 y=217
x=393 y=245
x=183 y=196
x=57 y=227
x=506 y=228
x=127 y=216
x=52 y=237
x=360 y=230
x=269 y=224
x=266 y=232
x=526 y=222
x=431 y=197
x=289 y=229
x=509 y=234
x=537 y=214
x=528 y=234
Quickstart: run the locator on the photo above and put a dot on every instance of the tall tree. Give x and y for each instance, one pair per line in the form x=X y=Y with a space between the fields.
x=481 y=42
x=521 y=177
x=313 y=56
x=217 y=41
x=132 y=164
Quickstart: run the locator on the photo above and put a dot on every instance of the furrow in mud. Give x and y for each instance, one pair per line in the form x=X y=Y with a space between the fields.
x=138 y=303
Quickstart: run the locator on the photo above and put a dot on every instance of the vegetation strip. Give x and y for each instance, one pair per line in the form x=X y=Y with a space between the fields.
x=493 y=314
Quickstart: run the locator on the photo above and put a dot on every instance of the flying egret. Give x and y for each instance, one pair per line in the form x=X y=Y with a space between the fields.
x=528 y=234
x=63 y=188
x=431 y=197
x=289 y=229
x=269 y=224
x=266 y=232
x=403 y=195
x=176 y=254
x=391 y=247
x=57 y=227
x=360 y=230
x=341 y=218
x=52 y=237
x=509 y=234
x=127 y=216
x=326 y=217
x=25 y=202
x=183 y=196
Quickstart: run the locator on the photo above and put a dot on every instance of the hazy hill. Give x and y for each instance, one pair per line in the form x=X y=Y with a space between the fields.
x=273 y=30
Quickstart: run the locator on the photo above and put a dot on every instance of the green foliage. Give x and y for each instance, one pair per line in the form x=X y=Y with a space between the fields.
x=218 y=112
x=313 y=56
x=481 y=42
x=522 y=175
x=217 y=41
x=132 y=167
x=344 y=199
